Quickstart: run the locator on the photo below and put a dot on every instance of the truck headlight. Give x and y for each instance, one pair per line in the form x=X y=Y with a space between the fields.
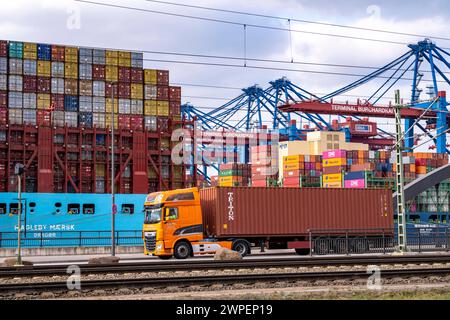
x=159 y=246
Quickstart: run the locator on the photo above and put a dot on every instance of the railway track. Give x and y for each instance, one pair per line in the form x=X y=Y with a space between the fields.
x=61 y=287
x=216 y=265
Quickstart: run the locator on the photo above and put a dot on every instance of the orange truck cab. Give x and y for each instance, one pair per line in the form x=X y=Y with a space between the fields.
x=173 y=226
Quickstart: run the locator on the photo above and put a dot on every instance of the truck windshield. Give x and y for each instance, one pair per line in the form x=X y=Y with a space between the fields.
x=152 y=215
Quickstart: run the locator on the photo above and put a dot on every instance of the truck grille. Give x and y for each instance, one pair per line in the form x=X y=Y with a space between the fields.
x=150 y=241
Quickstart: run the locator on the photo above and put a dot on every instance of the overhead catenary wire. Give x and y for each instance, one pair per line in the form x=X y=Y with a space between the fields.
x=299 y=20
x=237 y=23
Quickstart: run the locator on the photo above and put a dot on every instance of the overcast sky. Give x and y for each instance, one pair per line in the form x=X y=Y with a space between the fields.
x=82 y=24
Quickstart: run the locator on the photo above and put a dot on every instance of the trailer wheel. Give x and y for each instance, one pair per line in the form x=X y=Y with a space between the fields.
x=302 y=252
x=182 y=250
x=242 y=246
x=165 y=257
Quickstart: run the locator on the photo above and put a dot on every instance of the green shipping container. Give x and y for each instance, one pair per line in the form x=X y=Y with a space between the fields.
x=227 y=173
x=16 y=50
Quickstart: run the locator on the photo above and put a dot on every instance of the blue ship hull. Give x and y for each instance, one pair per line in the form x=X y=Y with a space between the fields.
x=52 y=213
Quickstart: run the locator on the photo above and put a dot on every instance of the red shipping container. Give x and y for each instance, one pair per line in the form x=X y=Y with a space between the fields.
x=137 y=75
x=58 y=53
x=297 y=211
x=3 y=115
x=29 y=84
x=108 y=90
x=163 y=77
x=259 y=183
x=332 y=170
x=124 y=122
x=43 y=118
x=43 y=85
x=124 y=74
x=163 y=124
x=292 y=174
x=57 y=102
x=124 y=90
x=3 y=48
x=98 y=72
x=162 y=93
x=3 y=99
x=175 y=108
x=291 y=181
x=175 y=94
x=137 y=123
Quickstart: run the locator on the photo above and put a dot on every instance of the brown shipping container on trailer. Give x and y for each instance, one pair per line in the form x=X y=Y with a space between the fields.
x=281 y=212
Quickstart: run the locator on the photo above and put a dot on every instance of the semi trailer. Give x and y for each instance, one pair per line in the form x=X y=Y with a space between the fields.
x=188 y=222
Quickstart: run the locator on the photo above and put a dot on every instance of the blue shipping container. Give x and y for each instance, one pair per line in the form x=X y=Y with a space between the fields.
x=16 y=50
x=85 y=119
x=71 y=103
x=359 y=175
x=44 y=52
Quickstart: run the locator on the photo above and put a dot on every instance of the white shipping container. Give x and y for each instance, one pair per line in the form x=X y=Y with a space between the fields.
x=3 y=65
x=99 y=120
x=30 y=67
x=3 y=82
x=85 y=104
x=150 y=92
x=98 y=88
x=124 y=106
x=29 y=101
x=99 y=104
x=137 y=107
x=57 y=86
x=29 y=116
x=150 y=123
x=86 y=55
x=15 y=116
x=137 y=60
x=15 y=83
x=58 y=69
x=16 y=66
x=58 y=118
x=15 y=100
x=71 y=119
x=99 y=56
x=85 y=71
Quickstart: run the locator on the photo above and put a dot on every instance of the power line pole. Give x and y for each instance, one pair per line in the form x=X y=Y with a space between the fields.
x=401 y=216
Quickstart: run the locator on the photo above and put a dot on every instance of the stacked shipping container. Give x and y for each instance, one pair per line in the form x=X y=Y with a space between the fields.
x=334 y=164
x=264 y=160
x=67 y=89
x=234 y=175
x=302 y=171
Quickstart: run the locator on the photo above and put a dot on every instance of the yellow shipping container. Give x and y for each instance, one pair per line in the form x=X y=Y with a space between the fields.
x=100 y=170
x=151 y=108
x=44 y=68
x=291 y=159
x=109 y=121
x=163 y=108
x=291 y=166
x=151 y=172
x=334 y=162
x=150 y=76
x=337 y=177
x=71 y=50
x=109 y=103
x=332 y=185
x=124 y=55
x=30 y=51
x=71 y=70
x=43 y=101
x=229 y=179
x=112 y=58
x=112 y=73
x=137 y=91
x=124 y=63
x=71 y=54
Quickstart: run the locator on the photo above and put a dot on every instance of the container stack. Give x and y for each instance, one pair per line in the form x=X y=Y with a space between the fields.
x=355 y=180
x=427 y=162
x=264 y=167
x=333 y=166
x=234 y=175
x=73 y=93
x=302 y=171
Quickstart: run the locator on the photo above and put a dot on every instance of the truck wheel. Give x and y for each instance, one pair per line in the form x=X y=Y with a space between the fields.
x=165 y=257
x=242 y=246
x=182 y=250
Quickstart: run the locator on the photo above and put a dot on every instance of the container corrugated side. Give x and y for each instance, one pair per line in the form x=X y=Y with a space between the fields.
x=292 y=212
